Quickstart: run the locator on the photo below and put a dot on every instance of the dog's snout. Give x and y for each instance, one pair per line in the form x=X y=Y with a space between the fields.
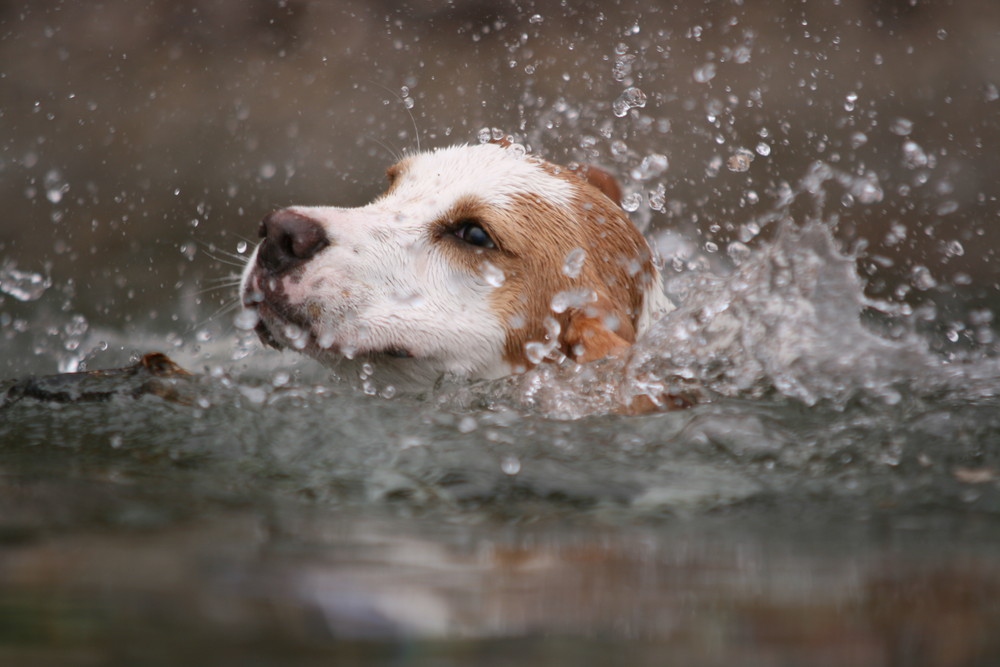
x=290 y=239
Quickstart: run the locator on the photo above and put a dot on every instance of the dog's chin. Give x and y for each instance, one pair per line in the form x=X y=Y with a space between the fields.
x=270 y=331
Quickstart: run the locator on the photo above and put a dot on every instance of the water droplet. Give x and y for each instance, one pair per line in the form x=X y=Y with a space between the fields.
x=901 y=127
x=22 y=285
x=493 y=275
x=247 y=319
x=913 y=155
x=651 y=166
x=510 y=465
x=576 y=297
x=749 y=231
x=267 y=170
x=536 y=19
x=631 y=98
x=954 y=249
x=623 y=66
x=867 y=190
x=408 y=299
x=535 y=351
x=517 y=150
x=241 y=247
x=741 y=55
x=631 y=202
x=296 y=335
x=55 y=186
x=922 y=278
x=740 y=160
x=325 y=340
x=77 y=326
x=705 y=73
x=658 y=198
x=408 y=441
x=467 y=424
x=573 y=262
x=763 y=149
x=991 y=93
x=737 y=252
x=947 y=207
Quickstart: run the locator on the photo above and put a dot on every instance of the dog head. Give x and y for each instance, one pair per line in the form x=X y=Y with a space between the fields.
x=477 y=260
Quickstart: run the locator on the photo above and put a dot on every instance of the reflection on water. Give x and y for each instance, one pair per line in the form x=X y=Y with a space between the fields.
x=289 y=585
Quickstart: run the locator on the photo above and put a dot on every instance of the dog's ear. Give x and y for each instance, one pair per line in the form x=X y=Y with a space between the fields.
x=595 y=331
x=600 y=179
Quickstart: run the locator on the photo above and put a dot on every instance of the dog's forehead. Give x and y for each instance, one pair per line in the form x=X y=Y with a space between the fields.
x=490 y=173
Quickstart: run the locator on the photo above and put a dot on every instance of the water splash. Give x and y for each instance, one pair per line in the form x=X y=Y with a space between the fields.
x=22 y=285
x=631 y=98
x=787 y=321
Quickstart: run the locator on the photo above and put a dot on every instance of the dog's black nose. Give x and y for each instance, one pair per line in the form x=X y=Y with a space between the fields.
x=290 y=239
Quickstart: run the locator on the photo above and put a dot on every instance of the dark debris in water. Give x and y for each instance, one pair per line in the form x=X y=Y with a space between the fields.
x=155 y=373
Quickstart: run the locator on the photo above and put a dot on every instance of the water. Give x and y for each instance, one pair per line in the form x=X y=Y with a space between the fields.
x=833 y=465
x=798 y=395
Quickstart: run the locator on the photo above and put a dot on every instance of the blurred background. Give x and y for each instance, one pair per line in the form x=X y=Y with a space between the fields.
x=142 y=141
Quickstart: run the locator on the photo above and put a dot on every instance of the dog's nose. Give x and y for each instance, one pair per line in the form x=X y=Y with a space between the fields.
x=290 y=239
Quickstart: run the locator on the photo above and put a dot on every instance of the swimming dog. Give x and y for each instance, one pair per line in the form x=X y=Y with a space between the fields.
x=478 y=260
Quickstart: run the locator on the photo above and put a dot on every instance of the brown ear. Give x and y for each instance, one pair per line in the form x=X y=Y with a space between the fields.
x=600 y=179
x=595 y=331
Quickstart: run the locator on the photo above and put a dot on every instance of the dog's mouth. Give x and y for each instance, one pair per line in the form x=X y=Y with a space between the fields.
x=265 y=336
x=281 y=325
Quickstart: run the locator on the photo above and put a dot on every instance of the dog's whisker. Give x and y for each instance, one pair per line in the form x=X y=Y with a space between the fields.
x=231 y=279
x=393 y=153
x=409 y=112
x=215 y=288
x=229 y=306
x=222 y=254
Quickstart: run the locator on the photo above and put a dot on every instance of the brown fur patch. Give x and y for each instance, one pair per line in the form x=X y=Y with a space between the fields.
x=536 y=236
x=393 y=173
x=533 y=238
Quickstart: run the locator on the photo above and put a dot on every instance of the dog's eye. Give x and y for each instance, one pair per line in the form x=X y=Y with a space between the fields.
x=473 y=233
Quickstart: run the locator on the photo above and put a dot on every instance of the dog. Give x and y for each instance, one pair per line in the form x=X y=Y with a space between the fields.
x=480 y=261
